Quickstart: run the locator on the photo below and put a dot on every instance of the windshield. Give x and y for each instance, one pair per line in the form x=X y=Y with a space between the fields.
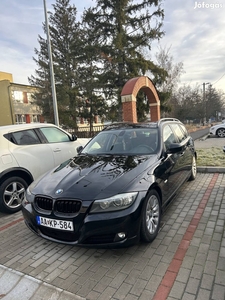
x=138 y=141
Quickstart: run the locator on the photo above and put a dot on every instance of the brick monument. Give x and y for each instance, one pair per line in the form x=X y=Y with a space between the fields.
x=128 y=98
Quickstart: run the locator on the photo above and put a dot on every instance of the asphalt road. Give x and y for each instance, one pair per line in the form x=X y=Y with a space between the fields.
x=199 y=133
x=202 y=142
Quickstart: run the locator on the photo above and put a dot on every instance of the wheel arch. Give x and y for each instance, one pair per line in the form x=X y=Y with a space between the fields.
x=155 y=187
x=151 y=215
x=19 y=172
x=219 y=129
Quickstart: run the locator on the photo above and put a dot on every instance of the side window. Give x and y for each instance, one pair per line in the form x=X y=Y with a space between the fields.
x=168 y=136
x=54 y=135
x=178 y=131
x=26 y=137
x=184 y=129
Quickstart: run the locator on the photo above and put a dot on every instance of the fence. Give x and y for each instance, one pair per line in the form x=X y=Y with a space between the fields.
x=85 y=132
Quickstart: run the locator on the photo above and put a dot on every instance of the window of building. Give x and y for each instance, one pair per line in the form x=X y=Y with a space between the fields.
x=30 y=98
x=20 y=119
x=35 y=119
x=18 y=96
x=84 y=121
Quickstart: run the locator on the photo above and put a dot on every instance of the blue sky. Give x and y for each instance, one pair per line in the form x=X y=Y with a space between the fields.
x=194 y=33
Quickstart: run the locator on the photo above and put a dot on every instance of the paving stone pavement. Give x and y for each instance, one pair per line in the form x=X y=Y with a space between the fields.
x=185 y=262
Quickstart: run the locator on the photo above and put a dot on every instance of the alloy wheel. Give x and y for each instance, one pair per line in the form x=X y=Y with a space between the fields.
x=14 y=194
x=221 y=132
x=152 y=214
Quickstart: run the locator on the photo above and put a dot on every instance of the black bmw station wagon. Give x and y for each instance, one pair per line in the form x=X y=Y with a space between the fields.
x=113 y=193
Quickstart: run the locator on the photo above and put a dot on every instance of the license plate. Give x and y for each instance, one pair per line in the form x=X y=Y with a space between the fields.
x=56 y=224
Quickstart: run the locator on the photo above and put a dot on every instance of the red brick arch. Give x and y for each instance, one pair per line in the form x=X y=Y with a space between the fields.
x=128 y=98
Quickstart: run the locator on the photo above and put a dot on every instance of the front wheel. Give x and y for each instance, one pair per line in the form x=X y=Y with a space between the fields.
x=221 y=132
x=151 y=217
x=12 y=192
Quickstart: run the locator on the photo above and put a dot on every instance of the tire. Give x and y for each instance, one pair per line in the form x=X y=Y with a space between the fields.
x=151 y=217
x=193 y=169
x=12 y=192
x=221 y=132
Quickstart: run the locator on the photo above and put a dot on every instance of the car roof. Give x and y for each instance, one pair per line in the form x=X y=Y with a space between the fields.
x=124 y=126
x=130 y=125
x=17 y=127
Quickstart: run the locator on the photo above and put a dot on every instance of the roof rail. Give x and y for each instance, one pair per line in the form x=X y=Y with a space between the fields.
x=168 y=119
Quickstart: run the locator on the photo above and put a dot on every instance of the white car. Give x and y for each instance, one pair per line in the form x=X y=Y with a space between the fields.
x=27 y=151
x=218 y=130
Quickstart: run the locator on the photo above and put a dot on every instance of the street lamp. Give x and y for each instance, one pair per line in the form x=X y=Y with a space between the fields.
x=204 y=102
x=55 y=108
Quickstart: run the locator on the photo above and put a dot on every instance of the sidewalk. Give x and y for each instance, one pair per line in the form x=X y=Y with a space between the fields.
x=15 y=285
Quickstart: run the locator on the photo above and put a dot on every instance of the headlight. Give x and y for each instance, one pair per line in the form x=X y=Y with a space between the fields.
x=28 y=191
x=117 y=202
x=28 y=197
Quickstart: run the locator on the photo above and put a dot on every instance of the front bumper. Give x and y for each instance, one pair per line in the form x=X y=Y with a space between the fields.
x=212 y=131
x=102 y=230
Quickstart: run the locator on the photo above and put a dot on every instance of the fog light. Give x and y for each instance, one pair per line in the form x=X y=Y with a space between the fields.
x=121 y=235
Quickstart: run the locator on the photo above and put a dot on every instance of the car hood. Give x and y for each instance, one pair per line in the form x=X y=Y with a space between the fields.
x=88 y=177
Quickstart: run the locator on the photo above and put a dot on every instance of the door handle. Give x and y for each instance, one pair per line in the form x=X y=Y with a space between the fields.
x=57 y=150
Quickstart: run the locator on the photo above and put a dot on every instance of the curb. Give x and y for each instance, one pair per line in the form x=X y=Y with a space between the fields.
x=205 y=169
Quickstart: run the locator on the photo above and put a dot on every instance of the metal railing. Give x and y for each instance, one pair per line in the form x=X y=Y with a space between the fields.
x=84 y=131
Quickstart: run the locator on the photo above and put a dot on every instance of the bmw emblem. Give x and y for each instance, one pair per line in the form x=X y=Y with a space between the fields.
x=59 y=191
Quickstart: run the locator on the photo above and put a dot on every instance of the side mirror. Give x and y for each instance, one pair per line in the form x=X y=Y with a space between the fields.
x=79 y=149
x=174 y=148
x=74 y=137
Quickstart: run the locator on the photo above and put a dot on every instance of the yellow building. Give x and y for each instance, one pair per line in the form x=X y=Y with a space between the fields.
x=16 y=102
x=17 y=106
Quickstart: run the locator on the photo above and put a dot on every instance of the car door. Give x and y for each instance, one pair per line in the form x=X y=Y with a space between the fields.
x=168 y=167
x=60 y=143
x=184 y=161
x=29 y=152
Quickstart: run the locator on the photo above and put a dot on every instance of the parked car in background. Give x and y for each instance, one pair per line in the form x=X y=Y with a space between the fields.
x=115 y=190
x=218 y=130
x=26 y=152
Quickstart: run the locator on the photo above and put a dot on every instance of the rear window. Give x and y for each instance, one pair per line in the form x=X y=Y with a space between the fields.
x=23 y=137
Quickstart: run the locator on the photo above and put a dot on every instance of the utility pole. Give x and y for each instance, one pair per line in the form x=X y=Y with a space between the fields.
x=204 y=102
x=52 y=77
